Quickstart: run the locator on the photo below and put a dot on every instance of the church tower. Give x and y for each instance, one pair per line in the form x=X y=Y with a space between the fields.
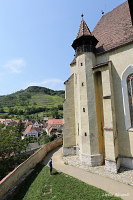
x=80 y=128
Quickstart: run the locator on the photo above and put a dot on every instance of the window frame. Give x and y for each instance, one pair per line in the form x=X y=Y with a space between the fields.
x=128 y=71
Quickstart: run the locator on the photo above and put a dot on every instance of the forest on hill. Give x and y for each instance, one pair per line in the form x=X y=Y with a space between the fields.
x=33 y=103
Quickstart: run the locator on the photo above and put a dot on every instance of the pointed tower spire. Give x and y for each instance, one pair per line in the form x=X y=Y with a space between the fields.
x=85 y=41
x=83 y=29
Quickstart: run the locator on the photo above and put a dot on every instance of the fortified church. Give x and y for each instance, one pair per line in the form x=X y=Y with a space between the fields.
x=98 y=109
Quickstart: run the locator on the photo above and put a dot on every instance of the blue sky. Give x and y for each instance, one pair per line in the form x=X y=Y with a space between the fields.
x=36 y=38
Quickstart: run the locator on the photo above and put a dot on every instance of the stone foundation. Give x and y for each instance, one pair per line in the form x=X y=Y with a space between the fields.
x=91 y=160
x=112 y=166
x=69 y=151
x=126 y=162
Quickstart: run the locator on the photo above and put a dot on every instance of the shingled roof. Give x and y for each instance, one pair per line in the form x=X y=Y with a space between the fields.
x=114 y=29
x=83 y=30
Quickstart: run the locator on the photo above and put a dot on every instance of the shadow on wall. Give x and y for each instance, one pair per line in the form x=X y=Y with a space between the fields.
x=22 y=188
x=123 y=135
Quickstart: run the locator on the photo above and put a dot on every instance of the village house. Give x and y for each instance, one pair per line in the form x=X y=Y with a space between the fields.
x=30 y=131
x=98 y=109
x=38 y=125
x=26 y=123
x=7 y=122
x=54 y=125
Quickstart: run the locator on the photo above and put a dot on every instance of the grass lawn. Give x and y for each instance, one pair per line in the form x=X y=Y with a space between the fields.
x=40 y=185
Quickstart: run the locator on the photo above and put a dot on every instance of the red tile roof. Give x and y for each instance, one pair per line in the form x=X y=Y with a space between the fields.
x=29 y=129
x=8 y=120
x=55 y=122
x=114 y=29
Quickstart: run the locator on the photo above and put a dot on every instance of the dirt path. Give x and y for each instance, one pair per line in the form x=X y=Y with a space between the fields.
x=111 y=186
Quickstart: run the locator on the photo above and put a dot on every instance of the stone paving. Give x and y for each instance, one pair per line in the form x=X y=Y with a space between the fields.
x=124 y=176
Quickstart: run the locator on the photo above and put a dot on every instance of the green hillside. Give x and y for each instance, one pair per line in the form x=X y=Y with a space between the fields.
x=32 y=102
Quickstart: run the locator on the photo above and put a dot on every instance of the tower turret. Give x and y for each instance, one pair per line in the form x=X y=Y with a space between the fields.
x=85 y=41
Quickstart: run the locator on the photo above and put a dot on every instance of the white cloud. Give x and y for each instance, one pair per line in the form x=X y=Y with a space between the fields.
x=55 y=84
x=15 y=65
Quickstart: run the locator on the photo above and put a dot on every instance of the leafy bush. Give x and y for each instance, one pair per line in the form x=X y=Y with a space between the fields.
x=11 y=148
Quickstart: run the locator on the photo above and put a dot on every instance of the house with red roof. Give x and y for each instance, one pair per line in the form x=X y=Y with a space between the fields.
x=9 y=121
x=53 y=125
x=30 y=131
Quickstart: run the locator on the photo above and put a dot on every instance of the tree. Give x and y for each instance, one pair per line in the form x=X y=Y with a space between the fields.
x=1 y=110
x=19 y=128
x=60 y=107
x=43 y=139
x=11 y=148
x=53 y=137
x=55 y=113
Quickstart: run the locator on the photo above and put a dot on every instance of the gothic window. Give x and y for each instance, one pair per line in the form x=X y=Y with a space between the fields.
x=130 y=95
x=127 y=91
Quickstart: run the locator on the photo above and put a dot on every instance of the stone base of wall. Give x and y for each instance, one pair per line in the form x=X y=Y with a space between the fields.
x=112 y=166
x=77 y=150
x=91 y=160
x=69 y=151
x=126 y=162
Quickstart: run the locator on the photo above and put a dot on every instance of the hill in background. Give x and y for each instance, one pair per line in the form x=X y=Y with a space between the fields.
x=32 y=103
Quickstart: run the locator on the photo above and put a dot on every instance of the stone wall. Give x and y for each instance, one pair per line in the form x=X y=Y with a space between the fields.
x=13 y=177
x=69 y=137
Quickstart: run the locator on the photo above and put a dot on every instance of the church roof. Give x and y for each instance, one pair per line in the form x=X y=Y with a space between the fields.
x=83 y=30
x=114 y=29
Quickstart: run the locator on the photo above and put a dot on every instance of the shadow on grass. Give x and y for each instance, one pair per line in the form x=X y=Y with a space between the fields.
x=56 y=173
x=22 y=188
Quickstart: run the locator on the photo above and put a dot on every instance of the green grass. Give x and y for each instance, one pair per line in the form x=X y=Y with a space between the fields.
x=40 y=185
x=47 y=100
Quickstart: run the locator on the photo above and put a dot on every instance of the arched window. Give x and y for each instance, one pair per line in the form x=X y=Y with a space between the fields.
x=130 y=95
x=127 y=91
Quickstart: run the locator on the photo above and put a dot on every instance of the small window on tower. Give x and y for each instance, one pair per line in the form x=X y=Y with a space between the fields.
x=82 y=84
x=85 y=134
x=81 y=64
x=75 y=78
x=83 y=109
